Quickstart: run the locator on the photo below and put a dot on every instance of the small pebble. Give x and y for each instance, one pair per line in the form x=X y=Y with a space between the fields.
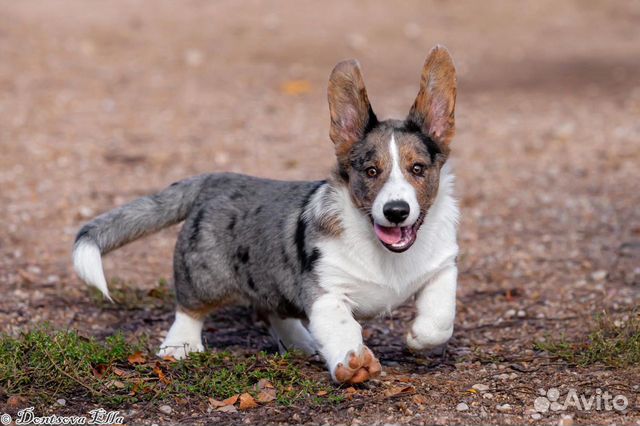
x=536 y=416
x=510 y=313
x=462 y=407
x=61 y=402
x=165 y=409
x=503 y=407
x=480 y=387
x=599 y=275
x=487 y=395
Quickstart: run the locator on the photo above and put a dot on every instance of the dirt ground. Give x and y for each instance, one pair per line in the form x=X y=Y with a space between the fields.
x=101 y=102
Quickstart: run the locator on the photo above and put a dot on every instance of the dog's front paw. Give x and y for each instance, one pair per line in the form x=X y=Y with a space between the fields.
x=425 y=336
x=179 y=350
x=357 y=367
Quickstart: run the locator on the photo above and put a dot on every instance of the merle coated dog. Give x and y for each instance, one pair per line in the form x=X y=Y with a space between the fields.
x=314 y=257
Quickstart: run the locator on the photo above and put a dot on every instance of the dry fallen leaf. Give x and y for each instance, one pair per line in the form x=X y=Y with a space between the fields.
x=399 y=390
x=419 y=399
x=264 y=384
x=27 y=277
x=118 y=372
x=99 y=370
x=117 y=384
x=296 y=87
x=231 y=400
x=169 y=358
x=16 y=401
x=350 y=389
x=322 y=393
x=158 y=371
x=266 y=395
x=228 y=409
x=215 y=403
x=226 y=402
x=247 y=401
x=137 y=358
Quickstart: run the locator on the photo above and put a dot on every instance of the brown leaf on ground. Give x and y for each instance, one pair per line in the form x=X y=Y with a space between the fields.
x=215 y=403
x=136 y=358
x=116 y=384
x=158 y=371
x=16 y=401
x=231 y=400
x=266 y=395
x=27 y=277
x=224 y=403
x=321 y=393
x=399 y=391
x=295 y=87
x=99 y=370
x=247 y=402
x=264 y=384
x=419 y=399
x=228 y=409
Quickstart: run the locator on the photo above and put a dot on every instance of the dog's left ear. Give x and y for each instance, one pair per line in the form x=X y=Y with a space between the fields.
x=434 y=109
x=349 y=106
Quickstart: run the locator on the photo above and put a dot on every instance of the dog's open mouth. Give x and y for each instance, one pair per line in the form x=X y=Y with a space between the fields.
x=397 y=238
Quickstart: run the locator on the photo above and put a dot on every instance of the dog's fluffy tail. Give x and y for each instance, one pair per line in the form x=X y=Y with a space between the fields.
x=124 y=224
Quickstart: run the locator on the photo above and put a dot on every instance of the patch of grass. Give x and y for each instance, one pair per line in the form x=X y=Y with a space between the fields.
x=130 y=297
x=614 y=343
x=44 y=365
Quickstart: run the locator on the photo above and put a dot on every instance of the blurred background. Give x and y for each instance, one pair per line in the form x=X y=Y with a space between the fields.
x=103 y=101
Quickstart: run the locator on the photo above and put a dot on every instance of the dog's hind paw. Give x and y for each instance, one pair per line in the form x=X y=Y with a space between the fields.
x=179 y=350
x=357 y=368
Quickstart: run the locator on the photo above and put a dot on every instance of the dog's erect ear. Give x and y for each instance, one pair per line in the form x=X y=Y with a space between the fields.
x=351 y=113
x=434 y=109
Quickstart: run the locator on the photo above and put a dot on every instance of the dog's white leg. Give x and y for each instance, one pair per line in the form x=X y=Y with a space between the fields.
x=339 y=339
x=436 y=305
x=184 y=336
x=291 y=334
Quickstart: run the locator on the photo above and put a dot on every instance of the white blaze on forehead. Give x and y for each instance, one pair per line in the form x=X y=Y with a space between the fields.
x=396 y=188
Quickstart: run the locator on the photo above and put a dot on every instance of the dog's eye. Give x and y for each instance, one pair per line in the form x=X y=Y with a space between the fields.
x=372 y=172
x=417 y=169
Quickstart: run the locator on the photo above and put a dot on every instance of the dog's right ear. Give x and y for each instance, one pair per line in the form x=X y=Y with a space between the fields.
x=351 y=113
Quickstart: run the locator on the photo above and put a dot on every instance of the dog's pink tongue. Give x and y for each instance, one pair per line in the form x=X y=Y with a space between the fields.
x=388 y=235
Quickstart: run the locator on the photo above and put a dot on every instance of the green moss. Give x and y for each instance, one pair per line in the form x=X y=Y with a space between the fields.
x=612 y=343
x=44 y=365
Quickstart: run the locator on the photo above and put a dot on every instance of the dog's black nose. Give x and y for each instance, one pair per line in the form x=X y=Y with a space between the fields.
x=396 y=211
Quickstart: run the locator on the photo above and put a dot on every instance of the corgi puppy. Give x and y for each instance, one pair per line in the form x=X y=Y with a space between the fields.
x=315 y=257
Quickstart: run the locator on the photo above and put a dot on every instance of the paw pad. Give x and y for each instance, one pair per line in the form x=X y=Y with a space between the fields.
x=358 y=368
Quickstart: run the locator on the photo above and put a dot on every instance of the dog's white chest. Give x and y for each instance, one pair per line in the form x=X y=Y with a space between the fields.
x=374 y=280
